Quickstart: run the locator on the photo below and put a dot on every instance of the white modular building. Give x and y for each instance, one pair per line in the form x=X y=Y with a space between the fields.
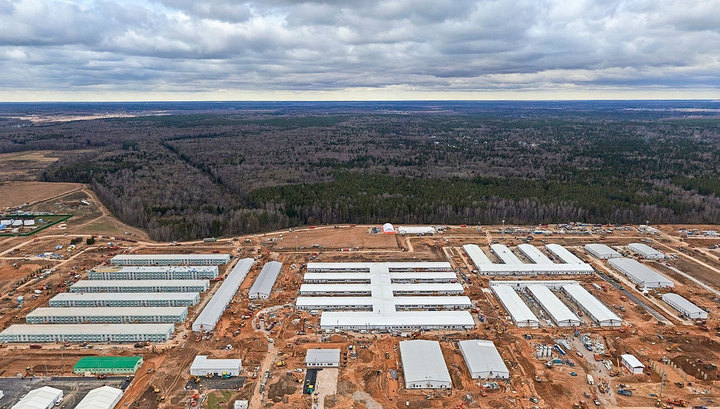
x=602 y=251
x=587 y=302
x=522 y=284
x=322 y=358
x=87 y=332
x=384 y=296
x=514 y=305
x=117 y=315
x=504 y=253
x=45 y=397
x=262 y=287
x=534 y=254
x=396 y=320
x=125 y=300
x=483 y=360
x=104 y=397
x=391 y=267
x=559 y=312
x=170 y=259
x=563 y=254
x=684 y=306
x=646 y=251
x=424 y=365
x=210 y=315
x=640 y=274
x=632 y=364
x=512 y=265
x=139 y=286
x=202 y=366
x=418 y=230
x=154 y=273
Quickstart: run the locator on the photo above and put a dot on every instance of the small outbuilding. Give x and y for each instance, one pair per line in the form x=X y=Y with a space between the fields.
x=322 y=358
x=632 y=364
x=203 y=366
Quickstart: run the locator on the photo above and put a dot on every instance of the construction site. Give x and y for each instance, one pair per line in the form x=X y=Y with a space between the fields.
x=556 y=316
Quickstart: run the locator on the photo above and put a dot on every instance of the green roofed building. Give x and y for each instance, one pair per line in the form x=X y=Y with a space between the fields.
x=108 y=364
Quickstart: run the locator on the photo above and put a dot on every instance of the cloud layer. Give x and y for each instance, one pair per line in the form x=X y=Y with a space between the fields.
x=430 y=47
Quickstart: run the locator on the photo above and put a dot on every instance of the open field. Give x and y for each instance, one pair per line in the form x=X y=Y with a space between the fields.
x=371 y=374
x=17 y=193
x=26 y=166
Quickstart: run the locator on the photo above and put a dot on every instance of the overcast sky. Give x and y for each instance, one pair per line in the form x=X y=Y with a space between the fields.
x=404 y=49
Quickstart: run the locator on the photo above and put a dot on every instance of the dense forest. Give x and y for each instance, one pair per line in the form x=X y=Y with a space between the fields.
x=199 y=171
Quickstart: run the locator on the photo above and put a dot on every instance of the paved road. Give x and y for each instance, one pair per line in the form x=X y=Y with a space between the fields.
x=637 y=300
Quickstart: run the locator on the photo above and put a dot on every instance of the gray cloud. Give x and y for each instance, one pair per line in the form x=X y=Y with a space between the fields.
x=421 y=45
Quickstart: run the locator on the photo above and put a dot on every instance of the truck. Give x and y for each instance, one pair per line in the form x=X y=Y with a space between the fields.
x=590 y=379
x=625 y=392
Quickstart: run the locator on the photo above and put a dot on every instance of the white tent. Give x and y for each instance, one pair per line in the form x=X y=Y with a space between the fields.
x=388 y=228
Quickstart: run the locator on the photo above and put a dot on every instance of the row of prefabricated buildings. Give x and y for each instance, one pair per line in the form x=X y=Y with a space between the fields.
x=140 y=298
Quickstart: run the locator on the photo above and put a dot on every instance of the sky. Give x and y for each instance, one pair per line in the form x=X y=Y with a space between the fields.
x=85 y=50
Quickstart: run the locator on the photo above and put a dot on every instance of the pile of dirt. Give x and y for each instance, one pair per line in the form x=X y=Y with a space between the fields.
x=286 y=385
x=345 y=387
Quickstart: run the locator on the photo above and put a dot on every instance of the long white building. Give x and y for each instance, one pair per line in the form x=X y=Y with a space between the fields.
x=109 y=315
x=640 y=274
x=419 y=230
x=170 y=259
x=262 y=287
x=139 y=286
x=154 y=273
x=385 y=296
x=483 y=359
x=685 y=307
x=125 y=300
x=646 y=251
x=521 y=314
x=559 y=312
x=424 y=365
x=45 y=397
x=512 y=265
x=210 y=315
x=104 y=397
x=202 y=366
x=87 y=332
x=593 y=307
x=602 y=251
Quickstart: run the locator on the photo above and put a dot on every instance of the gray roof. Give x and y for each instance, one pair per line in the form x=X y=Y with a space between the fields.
x=482 y=356
x=125 y=296
x=320 y=355
x=106 y=311
x=639 y=273
x=214 y=309
x=681 y=302
x=72 y=329
x=602 y=250
x=423 y=361
x=266 y=279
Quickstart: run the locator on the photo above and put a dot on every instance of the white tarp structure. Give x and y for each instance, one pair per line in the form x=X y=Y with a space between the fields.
x=214 y=309
x=379 y=302
x=512 y=265
x=632 y=364
x=419 y=230
x=514 y=305
x=424 y=365
x=483 y=359
x=104 y=397
x=685 y=307
x=388 y=228
x=640 y=274
x=559 y=312
x=202 y=366
x=602 y=251
x=598 y=311
x=262 y=287
x=322 y=358
x=41 y=398
x=646 y=251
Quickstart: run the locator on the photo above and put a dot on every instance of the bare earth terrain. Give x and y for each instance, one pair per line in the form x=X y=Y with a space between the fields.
x=366 y=378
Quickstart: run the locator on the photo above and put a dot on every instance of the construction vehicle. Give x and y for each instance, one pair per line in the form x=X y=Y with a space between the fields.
x=156 y=389
x=677 y=402
x=669 y=348
x=280 y=363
